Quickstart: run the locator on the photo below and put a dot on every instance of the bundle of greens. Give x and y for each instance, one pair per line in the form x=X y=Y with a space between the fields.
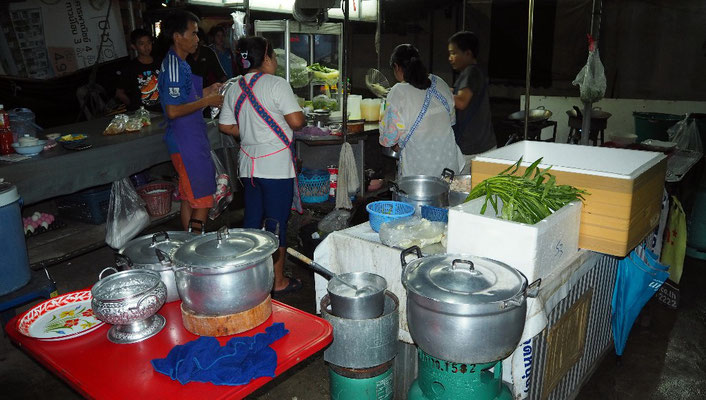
x=298 y=72
x=324 y=74
x=527 y=198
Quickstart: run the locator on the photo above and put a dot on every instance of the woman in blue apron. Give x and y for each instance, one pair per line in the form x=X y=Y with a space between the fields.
x=262 y=111
x=419 y=117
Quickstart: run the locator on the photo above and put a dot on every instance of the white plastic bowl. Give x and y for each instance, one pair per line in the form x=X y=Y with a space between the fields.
x=29 y=150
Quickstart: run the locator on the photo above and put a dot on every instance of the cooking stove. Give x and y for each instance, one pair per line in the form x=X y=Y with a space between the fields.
x=439 y=379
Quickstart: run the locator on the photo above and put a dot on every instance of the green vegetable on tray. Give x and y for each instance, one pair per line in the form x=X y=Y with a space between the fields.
x=321 y=73
x=527 y=198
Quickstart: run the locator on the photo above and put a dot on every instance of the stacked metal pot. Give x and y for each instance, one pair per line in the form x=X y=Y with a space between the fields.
x=420 y=190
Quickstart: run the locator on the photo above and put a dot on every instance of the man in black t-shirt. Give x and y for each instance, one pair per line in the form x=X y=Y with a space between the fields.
x=137 y=80
x=474 y=128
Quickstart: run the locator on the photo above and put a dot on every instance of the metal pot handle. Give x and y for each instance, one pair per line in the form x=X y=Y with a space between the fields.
x=137 y=308
x=122 y=260
x=264 y=226
x=395 y=188
x=408 y=251
x=196 y=221
x=533 y=289
x=541 y=108
x=222 y=232
x=448 y=173
x=100 y=275
x=462 y=261
x=162 y=233
x=163 y=257
x=530 y=291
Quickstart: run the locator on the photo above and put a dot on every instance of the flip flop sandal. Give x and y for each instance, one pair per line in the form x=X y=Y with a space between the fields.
x=293 y=286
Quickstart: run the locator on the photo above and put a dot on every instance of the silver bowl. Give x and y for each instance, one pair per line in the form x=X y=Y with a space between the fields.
x=129 y=301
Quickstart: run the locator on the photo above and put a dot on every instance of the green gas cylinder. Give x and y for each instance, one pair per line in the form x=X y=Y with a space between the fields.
x=445 y=380
x=362 y=385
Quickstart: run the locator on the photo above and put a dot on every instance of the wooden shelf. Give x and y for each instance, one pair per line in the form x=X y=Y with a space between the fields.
x=74 y=239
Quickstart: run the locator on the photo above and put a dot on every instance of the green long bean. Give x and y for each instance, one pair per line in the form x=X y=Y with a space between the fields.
x=527 y=198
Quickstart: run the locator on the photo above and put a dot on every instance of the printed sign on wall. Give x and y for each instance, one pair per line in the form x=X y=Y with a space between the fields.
x=70 y=34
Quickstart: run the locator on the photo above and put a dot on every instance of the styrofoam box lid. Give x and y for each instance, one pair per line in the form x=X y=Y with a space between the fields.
x=591 y=160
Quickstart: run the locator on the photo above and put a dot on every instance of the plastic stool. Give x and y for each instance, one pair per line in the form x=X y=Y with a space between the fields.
x=40 y=285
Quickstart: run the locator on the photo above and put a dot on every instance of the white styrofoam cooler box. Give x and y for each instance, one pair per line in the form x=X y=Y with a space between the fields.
x=535 y=250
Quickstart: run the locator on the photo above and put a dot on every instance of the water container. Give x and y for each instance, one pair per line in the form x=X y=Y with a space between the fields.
x=14 y=262
x=22 y=122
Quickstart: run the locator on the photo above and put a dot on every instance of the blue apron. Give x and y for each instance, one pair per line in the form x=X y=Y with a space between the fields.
x=190 y=135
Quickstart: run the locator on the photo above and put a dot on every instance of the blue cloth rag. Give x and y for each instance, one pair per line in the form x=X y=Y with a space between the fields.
x=239 y=361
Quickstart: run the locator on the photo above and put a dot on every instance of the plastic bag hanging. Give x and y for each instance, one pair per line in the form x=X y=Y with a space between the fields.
x=222 y=91
x=686 y=135
x=636 y=282
x=591 y=79
x=224 y=194
x=127 y=215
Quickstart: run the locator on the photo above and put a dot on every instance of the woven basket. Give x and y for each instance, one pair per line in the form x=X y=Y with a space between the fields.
x=158 y=197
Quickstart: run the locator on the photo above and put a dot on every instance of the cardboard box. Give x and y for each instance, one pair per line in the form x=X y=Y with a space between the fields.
x=535 y=250
x=625 y=187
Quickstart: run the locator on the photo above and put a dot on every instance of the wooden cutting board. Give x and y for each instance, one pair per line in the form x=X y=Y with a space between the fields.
x=225 y=325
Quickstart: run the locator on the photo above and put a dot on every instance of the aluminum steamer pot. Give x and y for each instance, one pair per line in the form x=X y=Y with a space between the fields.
x=225 y=272
x=153 y=252
x=463 y=308
x=423 y=190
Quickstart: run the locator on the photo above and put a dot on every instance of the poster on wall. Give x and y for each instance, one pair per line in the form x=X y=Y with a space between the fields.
x=55 y=37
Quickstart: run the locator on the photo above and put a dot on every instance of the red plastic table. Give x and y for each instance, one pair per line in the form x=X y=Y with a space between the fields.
x=98 y=368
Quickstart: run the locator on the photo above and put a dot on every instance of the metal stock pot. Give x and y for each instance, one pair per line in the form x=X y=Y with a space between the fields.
x=420 y=190
x=463 y=308
x=225 y=272
x=153 y=252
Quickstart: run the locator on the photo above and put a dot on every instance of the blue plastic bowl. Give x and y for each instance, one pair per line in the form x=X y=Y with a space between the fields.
x=29 y=150
x=71 y=143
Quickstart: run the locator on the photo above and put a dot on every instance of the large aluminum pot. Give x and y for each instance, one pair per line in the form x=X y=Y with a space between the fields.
x=463 y=308
x=225 y=272
x=421 y=190
x=153 y=252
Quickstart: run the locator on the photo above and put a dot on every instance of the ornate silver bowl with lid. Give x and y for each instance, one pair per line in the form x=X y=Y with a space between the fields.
x=129 y=301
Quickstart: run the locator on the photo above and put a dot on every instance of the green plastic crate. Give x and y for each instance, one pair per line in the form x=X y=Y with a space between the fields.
x=651 y=125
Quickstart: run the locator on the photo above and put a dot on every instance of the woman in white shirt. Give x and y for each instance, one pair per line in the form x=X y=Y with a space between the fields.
x=418 y=118
x=262 y=111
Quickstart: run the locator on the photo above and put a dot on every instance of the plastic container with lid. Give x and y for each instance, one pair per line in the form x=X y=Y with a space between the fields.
x=14 y=267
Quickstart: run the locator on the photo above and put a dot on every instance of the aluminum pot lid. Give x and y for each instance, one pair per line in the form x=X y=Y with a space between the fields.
x=227 y=248
x=141 y=250
x=463 y=279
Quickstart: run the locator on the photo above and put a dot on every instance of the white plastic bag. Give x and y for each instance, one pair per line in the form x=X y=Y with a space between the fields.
x=591 y=79
x=224 y=194
x=412 y=231
x=127 y=215
x=686 y=135
x=222 y=91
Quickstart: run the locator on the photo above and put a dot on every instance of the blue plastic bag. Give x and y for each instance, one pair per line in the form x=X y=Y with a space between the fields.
x=637 y=281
